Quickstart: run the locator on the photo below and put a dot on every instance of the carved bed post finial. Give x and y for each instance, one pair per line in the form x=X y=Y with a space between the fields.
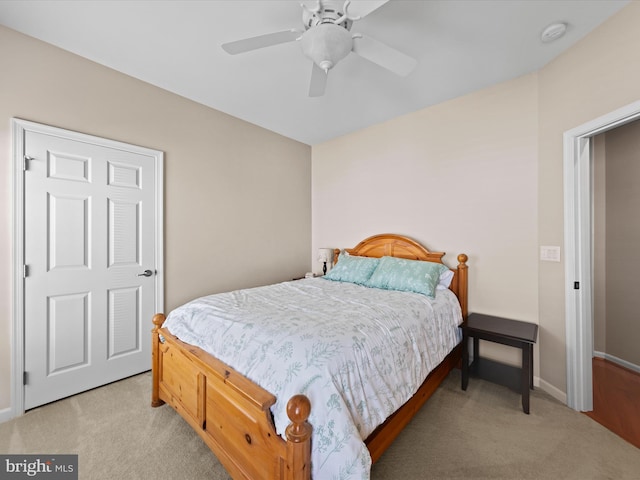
x=298 y=410
x=463 y=284
x=298 y=435
x=158 y=320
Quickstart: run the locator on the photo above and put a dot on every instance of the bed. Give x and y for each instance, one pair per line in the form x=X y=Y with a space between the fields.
x=273 y=430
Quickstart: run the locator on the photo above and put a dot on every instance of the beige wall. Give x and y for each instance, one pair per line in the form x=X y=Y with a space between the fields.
x=237 y=197
x=458 y=177
x=483 y=174
x=622 y=240
x=598 y=75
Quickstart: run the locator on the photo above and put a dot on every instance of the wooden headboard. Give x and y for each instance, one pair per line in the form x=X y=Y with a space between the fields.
x=392 y=245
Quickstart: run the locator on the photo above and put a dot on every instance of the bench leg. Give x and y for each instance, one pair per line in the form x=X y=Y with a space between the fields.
x=476 y=354
x=465 y=360
x=527 y=378
x=531 y=365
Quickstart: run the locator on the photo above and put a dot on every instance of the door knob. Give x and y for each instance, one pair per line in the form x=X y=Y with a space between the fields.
x=146 y=273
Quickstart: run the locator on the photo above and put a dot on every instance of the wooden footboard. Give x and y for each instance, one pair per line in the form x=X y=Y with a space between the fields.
x=232 y=414
x=229 y=412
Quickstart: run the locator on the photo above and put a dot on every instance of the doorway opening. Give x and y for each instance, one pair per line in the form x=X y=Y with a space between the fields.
x=578 y=230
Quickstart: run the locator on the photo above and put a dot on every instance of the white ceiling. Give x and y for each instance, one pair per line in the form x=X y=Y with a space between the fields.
x=460 y=45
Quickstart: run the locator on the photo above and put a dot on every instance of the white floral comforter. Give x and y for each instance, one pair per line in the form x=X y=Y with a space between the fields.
x=358 y=353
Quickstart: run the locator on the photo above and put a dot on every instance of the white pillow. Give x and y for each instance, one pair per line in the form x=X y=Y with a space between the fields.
x=445 y=280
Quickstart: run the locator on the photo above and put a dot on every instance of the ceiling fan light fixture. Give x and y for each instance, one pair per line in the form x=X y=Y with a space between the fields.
x=326 y=44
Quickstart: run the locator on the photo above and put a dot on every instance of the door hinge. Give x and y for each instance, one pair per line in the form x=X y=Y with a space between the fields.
x=576 y=285
x=25 y=271
x=27 y=159
x=25 y=378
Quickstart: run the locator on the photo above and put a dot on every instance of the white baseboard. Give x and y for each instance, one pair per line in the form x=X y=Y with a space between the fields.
x=6 y=414
x=550 y=389
x=619 y=361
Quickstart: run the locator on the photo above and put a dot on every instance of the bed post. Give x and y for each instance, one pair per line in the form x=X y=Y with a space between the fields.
x=158 y=320
x=298 y=435
x=463 y=281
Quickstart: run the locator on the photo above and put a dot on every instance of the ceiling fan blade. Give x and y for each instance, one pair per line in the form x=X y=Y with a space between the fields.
x=362 y=8
x=383 y=55
x=318 y=81
x=261 y=41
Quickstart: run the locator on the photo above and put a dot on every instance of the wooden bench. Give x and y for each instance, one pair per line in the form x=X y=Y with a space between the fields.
x=505 y=331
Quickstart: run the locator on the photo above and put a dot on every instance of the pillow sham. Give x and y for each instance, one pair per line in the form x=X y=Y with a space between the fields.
x=407 y=275
x=353 y=269
x=445 y=279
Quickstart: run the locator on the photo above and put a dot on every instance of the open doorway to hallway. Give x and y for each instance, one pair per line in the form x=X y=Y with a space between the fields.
x=578 y=239
x=615 y=173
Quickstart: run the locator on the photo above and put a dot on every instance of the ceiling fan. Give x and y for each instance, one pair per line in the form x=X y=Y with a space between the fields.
x=327 y=39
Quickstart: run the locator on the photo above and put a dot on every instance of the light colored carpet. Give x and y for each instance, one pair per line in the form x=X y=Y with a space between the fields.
x=478 y=434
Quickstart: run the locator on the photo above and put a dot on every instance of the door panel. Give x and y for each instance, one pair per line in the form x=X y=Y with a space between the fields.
x=68 y=231
x=90 y=230
x=124 y=321
x=67 y=332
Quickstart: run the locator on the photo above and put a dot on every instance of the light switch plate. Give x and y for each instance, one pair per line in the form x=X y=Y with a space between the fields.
x=549 y=253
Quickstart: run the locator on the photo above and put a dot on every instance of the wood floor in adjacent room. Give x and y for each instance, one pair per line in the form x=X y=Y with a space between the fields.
x=616 y=399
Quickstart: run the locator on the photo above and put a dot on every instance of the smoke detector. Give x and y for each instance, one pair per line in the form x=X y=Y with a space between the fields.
x=553 y=32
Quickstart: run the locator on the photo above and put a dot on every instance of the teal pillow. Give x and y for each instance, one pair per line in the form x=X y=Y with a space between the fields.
x=352 y=269
x=407 y=275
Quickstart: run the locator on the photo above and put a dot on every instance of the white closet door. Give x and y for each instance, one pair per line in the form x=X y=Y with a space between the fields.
x=90 y=235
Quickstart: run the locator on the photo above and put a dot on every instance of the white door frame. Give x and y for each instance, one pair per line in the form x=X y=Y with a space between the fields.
x=17 y=337
x=578 y=233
